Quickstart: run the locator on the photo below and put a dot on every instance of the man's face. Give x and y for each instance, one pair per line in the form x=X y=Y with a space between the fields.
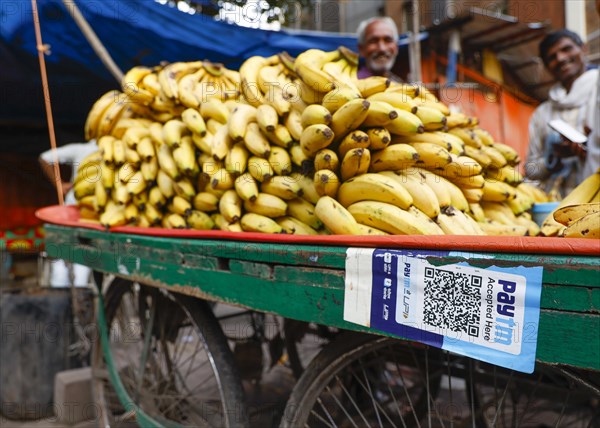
x=565 y=61
x=379 y=49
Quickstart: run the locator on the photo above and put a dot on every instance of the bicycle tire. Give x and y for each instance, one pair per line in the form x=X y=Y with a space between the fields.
x=329 y=383
x=188 y=377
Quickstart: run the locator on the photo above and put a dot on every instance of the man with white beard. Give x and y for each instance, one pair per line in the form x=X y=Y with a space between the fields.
x=378 y=46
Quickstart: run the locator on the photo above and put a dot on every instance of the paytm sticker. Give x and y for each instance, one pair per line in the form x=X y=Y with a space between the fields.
x=478 y=312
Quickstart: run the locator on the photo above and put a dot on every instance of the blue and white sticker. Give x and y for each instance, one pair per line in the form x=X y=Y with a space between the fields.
x=490 y=314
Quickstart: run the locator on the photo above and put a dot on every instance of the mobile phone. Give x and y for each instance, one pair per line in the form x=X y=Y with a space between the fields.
x=567 y=131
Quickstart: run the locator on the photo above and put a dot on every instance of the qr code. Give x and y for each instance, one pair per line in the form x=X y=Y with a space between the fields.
x=452 y=300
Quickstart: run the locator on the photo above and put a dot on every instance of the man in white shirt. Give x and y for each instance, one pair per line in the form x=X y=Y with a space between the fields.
x=555 y=164
x=71 y=154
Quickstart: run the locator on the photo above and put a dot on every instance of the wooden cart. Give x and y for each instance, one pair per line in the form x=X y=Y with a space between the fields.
x=304 y=281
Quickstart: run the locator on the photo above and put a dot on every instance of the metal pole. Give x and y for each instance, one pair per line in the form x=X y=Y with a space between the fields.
x=415 y=46
x=93 y=39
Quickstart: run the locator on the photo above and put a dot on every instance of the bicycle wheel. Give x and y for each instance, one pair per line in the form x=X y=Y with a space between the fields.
x=363 y=380
x=549 y=397
x=172 y=359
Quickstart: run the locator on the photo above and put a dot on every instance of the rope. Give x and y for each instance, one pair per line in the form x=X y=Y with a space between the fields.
x=93 y=39
x=45 y=49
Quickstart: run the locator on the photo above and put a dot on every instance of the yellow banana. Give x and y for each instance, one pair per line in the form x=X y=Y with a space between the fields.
x=314 y=138
x=167 y=163
x=390 y=218
x=485 y=137
x=497 y=229
x=308 y=67
x=587 y=226
x=184 y=188
x=252 y=222
x=284 y=187
x=510 y=154
x=532 y=227
x=293 y=122
x=206 y=202
x=194 y=121
x=497 y=191
x=199 y=220
x=497 y=159
x=423 y=196
x=473 y=195
x=332 y=102
x=568 y=214
x=349 y=117
x=380 y=114
x=307 y=186
x=326 y=183
x=156 y=198
x=372 y=85
x=439 y=185
x=396 y=99
x=472 y=182
x=294 y=226
x=267 y=118
x=280 y=161
x=326 y=159
x=448 y=141
x=356 y=161
x=379 y=138
x=304 y=211
x=280 y=137
x=432 y=156
x=428 y=224
x=377 y=187
x=266 y=204
x=119 y=148
x=507 y=174
x=335 y=217
x=185 y=157
x=136 y=184
x=149 y=169
x=249 y=79
x=239 y=119
x=221 y=179
x=153 y=215
x=260 y=168
x=97 y=111
x=173 y=131
x=113 y=217
x=204 y=144
x=432 y=119
x=256 y=142
x=230 y=206
x=393 y=157
x=236 y=160
x=315 y=114
x=353 y=140
x=101 y=196
x=145 y=149
x=221 y=143
x=477 y=154
x=214 y=109
x=467 y=136
x=300 y=159
x=368 y=230
x=405 y=124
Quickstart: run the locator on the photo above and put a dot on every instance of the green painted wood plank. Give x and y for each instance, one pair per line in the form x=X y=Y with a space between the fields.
x=578 y=299
x=564 y=270
x=107 y=257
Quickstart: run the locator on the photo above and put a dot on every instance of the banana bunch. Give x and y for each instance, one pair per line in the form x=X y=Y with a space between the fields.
x=271 y=81
x=295 y=146
x=321 y=72
x=580 y=220
x=576 y=215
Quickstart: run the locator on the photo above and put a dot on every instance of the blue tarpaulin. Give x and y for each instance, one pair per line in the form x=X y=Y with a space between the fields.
x=134 y=32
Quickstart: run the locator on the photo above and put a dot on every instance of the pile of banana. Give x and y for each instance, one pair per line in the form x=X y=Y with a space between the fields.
x=295 y=146
x=161 y=93
x=578 y=214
